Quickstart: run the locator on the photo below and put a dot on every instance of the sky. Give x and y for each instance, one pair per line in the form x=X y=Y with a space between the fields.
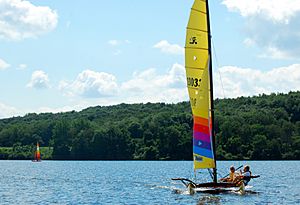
x=62 y=55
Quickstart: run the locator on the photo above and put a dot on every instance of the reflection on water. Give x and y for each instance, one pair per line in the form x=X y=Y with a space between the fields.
x=209 y=200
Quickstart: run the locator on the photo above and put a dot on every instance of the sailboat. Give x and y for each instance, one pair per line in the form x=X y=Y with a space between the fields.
x=37 y=154
x=198 y=65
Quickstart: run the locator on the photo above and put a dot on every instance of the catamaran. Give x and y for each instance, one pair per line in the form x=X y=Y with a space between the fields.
x=198 y=65
x=37 y=154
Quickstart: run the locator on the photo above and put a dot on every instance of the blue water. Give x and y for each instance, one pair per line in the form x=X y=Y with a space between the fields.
x=137 y=182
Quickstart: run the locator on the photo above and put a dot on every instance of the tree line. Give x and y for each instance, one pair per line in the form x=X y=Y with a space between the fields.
x=259 y=128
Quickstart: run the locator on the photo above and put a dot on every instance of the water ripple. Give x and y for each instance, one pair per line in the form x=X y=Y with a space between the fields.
x=136 y=182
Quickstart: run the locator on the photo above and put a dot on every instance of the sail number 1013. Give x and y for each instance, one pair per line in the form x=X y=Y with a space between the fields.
x=193 y=82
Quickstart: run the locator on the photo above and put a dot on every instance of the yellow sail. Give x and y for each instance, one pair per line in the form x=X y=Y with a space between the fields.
x=197 y=61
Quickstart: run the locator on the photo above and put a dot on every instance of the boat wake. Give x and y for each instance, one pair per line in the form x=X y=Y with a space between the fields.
x=172 y=188
x=209 y=200
x=180 y=191
x=231 y=190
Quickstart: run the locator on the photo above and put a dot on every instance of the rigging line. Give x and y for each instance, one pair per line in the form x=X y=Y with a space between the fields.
x=210 y=173
x=216 y=59
x=219 y=175
x=194 y=175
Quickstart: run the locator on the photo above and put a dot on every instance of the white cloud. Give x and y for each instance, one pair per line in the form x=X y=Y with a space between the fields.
x=249 y=42
x=113 y=42
x=68 y=108
x=275 y=53
x=148 y=86
x=118 y=42
x=3 y=65
x=99 y=88
x=7 y=111
x=22 y=67
x=20 y=19
x=248 y=82
x=168 y=48
x=39 y=80
x=271 y=24
x=145 y=86
x=275 y=10
x=91 y=84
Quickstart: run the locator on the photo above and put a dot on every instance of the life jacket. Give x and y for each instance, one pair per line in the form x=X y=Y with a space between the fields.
x=231 y=176
x=246 y=179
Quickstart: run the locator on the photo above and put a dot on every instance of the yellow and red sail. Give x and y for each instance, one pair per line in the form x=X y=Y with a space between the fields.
x=37 y=155
x=197 y=63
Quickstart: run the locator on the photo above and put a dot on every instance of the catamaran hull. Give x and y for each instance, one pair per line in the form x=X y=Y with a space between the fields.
x=186 y=182
x=215 y=188
x=36 y=160
x=216 y=185
x=211 y=187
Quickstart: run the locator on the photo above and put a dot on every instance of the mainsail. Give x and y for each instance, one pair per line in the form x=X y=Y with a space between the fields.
x=37 y=154
x=199 y=82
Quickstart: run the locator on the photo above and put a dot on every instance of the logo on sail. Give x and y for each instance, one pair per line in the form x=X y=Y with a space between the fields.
x=198 y=158
x=193 y=40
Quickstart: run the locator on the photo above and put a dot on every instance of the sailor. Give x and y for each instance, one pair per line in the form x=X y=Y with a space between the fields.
x=232 y=175
x=244 y=177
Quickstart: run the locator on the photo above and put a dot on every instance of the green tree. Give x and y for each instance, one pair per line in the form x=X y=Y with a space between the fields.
x=61 y=140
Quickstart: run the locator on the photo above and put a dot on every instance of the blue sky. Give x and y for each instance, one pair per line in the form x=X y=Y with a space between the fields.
x=59 y=55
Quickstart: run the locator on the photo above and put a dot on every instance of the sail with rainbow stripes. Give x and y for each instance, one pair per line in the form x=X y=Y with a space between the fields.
x=197 y=64
x=37 y=154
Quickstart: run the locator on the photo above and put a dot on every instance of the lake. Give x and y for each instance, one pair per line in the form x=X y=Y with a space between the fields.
x=138 y=182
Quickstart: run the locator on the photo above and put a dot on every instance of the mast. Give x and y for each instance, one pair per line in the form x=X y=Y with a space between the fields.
x=211 y=94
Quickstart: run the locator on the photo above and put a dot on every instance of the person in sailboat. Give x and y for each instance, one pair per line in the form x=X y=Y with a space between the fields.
x=245 y=176
x=232 y=175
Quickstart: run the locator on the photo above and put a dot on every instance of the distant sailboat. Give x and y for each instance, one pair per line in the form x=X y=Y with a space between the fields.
x=198 y=64
x=37 y=154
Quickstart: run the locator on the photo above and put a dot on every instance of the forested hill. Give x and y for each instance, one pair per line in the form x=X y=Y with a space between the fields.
x=261 y=127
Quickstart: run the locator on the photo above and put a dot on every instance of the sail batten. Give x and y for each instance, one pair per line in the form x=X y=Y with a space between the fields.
x=195 y=29
x=197 y=48
x=197 y=64
x=198 y=11
x=195 y=68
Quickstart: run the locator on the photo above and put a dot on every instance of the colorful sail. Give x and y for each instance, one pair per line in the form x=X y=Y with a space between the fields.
x=37 y=154
x=197 y=63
